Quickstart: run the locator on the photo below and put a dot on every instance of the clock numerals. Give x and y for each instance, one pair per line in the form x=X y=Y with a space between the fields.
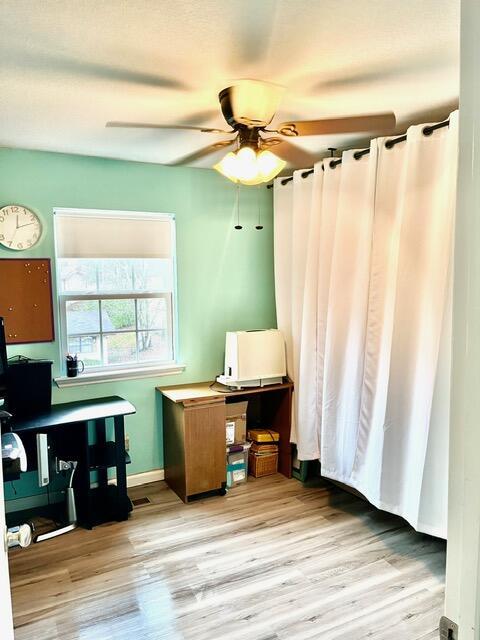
x=20 y=228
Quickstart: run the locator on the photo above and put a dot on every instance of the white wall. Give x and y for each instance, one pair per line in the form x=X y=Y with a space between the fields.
x=463 y=583
x=6 y=623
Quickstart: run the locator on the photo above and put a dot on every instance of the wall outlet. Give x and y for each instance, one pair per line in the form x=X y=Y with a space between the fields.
x=127 y=442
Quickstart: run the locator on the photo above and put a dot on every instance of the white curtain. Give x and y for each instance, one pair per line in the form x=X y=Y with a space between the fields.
x=369 y=298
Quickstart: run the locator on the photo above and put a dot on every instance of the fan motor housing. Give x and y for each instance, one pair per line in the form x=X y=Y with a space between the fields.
x=248 y=134
x=226 y=106
x=227 y=110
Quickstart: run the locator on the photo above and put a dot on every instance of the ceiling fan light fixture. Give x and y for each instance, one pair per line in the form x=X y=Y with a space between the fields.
x=246 y=165
x=269 y=165
x=255 y=102
x=228 y=166
x=249 y=167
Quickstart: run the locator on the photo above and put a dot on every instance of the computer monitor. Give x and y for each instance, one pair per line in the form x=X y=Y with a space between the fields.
x=3 y=361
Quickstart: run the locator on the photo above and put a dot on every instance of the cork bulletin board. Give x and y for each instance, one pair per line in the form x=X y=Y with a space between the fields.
x=26 y=300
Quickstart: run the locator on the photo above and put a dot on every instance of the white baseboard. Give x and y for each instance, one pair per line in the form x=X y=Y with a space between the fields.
x=137 y=479
x=41 y=499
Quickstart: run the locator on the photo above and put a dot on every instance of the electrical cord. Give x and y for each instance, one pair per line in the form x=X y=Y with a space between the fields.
x=226 y=391
x=54 y=520
x=74 y=465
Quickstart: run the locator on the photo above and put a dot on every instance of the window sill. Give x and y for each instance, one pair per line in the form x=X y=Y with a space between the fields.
x=119 y=374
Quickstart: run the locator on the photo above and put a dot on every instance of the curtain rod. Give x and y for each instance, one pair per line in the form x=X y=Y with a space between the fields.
x=427 y=131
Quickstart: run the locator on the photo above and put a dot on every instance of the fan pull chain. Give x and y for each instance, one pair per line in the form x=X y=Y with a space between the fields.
x=259 y=225
x=238 y=225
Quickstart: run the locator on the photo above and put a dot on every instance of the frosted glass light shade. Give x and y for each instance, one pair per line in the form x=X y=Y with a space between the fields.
x=246 y=164
x=269 y=165
x=227 y=166
x=255 y=102
x=248 y=167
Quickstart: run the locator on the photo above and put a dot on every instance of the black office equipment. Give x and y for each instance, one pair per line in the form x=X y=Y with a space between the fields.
x=29 y=386
x=3 y=361
x=67 y=427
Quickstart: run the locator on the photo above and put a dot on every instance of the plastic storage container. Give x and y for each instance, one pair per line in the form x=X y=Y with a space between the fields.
x=237 y=465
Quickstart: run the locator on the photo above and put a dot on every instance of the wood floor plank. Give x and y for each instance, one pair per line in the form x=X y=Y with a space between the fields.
x=273 y=560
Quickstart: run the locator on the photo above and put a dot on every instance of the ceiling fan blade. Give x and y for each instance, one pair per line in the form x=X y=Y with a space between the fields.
x=199 y=118
x=296 y=157
x=148 y=125
x=352 y=124
x=62 y=63
x=201 y=153
x=366 y=75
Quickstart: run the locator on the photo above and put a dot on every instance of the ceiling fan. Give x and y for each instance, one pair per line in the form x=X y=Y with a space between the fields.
x=248 y=107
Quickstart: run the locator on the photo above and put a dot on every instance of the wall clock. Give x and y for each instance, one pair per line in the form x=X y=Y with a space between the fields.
x=20 y=228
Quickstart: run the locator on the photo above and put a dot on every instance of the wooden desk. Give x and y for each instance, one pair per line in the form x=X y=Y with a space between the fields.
x=67 y=424
x=194 y=431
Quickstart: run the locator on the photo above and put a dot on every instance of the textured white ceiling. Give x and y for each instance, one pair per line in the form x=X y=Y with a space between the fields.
x=68 y=66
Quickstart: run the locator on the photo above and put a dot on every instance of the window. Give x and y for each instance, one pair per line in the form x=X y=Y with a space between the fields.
x=81 y=344
x=116 y=286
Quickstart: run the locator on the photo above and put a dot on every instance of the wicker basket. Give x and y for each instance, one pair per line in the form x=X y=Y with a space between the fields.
x=259 y=466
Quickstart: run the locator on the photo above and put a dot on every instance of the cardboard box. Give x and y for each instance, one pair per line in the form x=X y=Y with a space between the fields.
x=264 y=436
x=236 y=422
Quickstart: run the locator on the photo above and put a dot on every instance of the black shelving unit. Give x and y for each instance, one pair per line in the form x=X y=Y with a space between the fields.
x=67 y=427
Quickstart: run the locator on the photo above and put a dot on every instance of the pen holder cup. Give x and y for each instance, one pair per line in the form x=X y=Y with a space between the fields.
x=74 y=367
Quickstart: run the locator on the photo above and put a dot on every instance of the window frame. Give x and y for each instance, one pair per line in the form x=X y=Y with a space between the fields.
x=170 y=298
x=81 y=337
x=167 y=296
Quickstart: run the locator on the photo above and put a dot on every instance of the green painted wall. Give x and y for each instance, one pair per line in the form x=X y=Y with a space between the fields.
x=225 y=277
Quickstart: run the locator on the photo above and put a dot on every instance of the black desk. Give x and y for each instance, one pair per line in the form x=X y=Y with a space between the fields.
x=68 y=425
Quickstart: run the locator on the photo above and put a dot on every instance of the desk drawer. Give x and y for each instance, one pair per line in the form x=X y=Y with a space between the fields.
x=205 y=448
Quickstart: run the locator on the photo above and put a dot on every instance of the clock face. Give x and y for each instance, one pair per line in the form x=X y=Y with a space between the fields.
x=20 y=228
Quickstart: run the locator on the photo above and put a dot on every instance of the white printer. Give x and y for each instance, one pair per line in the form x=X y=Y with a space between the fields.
x=254 y=358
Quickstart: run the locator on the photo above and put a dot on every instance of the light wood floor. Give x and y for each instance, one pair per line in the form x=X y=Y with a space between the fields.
x=271 y=561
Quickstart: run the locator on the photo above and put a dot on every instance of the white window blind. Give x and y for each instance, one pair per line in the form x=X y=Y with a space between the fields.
x=113 y=234
x=116 y=287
